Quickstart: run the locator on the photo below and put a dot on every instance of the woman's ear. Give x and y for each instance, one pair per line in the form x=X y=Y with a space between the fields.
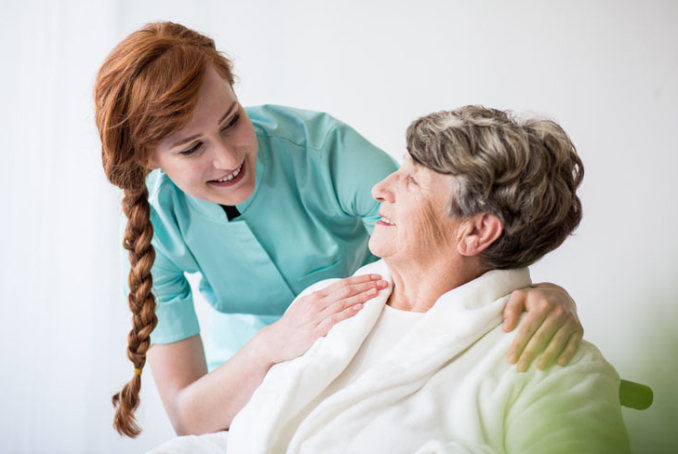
x=481 y=231
x=150 y=164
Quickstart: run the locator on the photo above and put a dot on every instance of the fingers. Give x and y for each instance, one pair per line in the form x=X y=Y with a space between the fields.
x=333 y=304
x=314 y=314
x=348 y=282
x=344 y=295
x=557 y=345
x=327 y=324
x=346 y=301
x=551 y=326
x=571 y=348
x=513 y=309
x=538 y=342
x=527 y=330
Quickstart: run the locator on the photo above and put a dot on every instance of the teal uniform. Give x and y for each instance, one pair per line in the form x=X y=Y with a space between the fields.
x=309 y=219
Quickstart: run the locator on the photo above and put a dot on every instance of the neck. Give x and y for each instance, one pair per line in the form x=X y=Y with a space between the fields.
x=416 y=287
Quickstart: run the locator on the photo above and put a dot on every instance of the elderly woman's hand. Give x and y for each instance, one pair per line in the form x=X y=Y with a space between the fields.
x=551 y=323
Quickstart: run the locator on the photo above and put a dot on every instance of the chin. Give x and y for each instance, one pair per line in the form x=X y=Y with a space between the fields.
x=240 y=196
x=232 y=198
x=375 y=248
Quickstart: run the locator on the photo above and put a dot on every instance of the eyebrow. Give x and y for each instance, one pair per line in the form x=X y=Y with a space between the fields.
x=195 y=136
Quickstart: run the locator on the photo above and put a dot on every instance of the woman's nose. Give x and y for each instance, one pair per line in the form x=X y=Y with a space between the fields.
x=381 y=192
x=225 y=157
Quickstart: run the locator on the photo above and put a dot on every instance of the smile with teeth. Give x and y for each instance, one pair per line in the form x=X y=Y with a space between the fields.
x=386 y=221
x=231 y=176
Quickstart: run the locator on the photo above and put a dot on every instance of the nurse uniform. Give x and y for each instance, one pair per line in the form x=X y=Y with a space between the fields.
x=309 y=219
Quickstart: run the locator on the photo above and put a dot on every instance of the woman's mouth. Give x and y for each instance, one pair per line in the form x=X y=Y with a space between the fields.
x=230 y=179
x=385 y=221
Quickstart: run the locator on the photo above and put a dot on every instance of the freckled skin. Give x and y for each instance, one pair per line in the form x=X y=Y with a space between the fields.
x=222 y=146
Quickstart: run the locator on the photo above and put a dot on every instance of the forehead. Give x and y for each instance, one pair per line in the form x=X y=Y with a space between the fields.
x=216 y=94
x=216 y=97
x=419 y=169
x=429 y=181
x=410 y=164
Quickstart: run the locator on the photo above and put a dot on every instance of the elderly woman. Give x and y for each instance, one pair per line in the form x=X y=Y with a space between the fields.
x=422 y=367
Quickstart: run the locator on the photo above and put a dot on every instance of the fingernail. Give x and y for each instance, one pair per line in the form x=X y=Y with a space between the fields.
x=382 y=283
x=375 y=276
x=521 y=367
x=512 y=358
x=372 y=291
x=357 y=307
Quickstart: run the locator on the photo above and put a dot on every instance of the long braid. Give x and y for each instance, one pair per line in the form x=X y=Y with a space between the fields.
x=137 y=241
x=146 y=90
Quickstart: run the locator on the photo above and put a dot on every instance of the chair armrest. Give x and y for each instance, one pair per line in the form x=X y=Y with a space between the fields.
x=635 y=395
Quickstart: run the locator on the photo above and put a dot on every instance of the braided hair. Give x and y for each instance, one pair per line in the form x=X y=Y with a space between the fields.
x=145 y=91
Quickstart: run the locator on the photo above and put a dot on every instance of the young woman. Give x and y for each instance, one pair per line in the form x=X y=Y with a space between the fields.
x=262 y=202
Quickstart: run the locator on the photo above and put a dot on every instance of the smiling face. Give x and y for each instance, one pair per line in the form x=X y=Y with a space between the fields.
x=414 y=225
x=214 y=156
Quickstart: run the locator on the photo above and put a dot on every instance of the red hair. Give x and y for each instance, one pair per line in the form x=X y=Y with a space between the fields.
x=145 y=91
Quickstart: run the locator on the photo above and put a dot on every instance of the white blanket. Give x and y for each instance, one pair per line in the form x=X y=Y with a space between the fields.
x=215 y=443
x=446 y=387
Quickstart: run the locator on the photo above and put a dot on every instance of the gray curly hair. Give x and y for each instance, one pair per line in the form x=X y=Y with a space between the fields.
x=524 y=172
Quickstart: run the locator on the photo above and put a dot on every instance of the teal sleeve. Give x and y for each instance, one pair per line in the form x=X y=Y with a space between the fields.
x=177 y=319
x=355 y=167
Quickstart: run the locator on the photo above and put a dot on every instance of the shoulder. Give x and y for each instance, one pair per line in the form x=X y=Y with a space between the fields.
x=168 y=202
x=160 y=188
x=587 y=376
x=378 y=267
x=588 y=369
x=588 y=359
x=580 y=399
x=302 y=127
x=590 y=365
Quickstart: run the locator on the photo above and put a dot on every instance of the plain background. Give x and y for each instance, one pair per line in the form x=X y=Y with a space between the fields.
x=606 y=70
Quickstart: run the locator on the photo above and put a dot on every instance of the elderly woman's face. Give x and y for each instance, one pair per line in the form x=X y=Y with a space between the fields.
x=414 y=225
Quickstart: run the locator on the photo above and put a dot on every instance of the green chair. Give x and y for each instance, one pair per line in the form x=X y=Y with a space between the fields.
x=635 y=395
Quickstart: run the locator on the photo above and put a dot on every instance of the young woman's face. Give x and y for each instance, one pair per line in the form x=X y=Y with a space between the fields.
x=214 y=157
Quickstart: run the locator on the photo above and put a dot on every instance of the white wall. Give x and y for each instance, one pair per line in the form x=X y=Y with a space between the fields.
x=606 y=70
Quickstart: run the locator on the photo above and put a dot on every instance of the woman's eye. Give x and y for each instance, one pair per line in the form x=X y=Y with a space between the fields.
x=411 y=179
x=231 y=123
x=191 y=150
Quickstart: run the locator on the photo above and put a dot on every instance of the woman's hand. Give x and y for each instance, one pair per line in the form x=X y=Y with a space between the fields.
x=551 y=323
x=198 y=402
x=313 y=315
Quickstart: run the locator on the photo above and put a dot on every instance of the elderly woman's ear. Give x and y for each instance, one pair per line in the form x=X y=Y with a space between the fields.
x=478 y=233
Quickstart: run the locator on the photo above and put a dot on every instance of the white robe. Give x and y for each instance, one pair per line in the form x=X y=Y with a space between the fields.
x=446 y=387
